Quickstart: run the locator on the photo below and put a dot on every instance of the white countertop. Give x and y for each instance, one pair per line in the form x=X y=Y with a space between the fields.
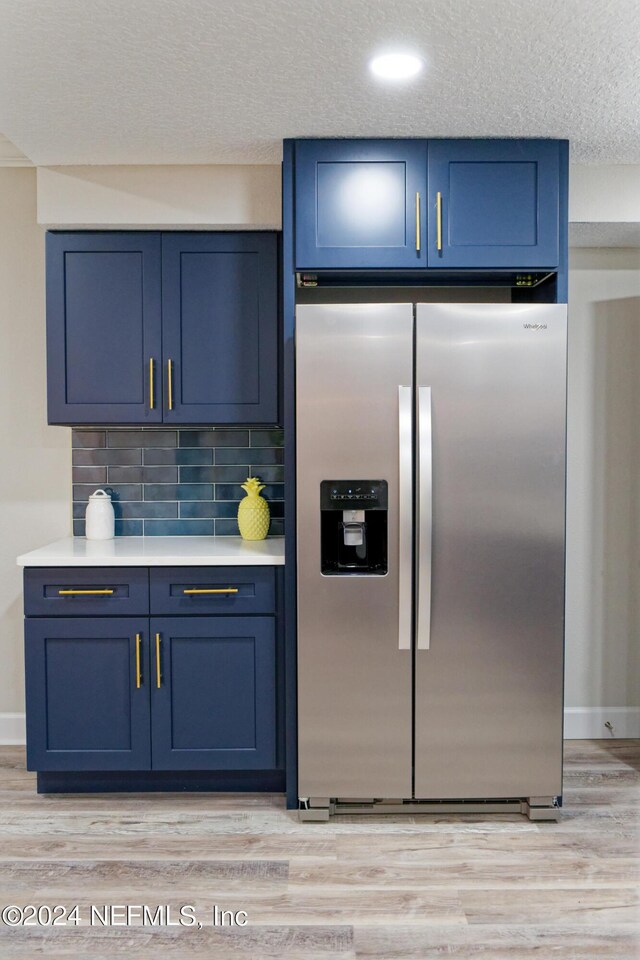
x=157 y=552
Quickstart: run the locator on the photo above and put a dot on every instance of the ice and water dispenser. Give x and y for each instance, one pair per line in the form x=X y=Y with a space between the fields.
x=353 y=527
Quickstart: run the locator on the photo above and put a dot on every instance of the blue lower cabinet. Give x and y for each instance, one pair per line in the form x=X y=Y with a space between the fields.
x=87 y=700
x=213 y=702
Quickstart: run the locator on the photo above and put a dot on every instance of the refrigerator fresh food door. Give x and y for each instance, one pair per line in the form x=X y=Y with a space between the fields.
x=491 y=410
x=354 y=421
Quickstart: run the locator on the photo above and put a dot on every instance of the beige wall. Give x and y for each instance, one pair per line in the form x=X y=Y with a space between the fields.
x=36 y=463
x=603 y=518
x=196 y=197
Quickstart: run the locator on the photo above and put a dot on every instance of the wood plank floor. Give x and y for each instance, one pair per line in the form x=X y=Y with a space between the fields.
x=487 y=888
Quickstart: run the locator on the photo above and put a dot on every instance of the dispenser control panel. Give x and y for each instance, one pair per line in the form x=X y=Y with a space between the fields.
x=353 y=495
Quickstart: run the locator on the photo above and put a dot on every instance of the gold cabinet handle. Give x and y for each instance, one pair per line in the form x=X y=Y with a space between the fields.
x=170 y=383
x=438 y=221
x=417 y=223
x=151 y=389
x=211 y=590
x=85 y=593
x=138 y=670
x=158 y=673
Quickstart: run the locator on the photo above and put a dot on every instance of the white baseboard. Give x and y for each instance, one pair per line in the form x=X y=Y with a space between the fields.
x=12 y=729
x=588 y=723
x=580 y=723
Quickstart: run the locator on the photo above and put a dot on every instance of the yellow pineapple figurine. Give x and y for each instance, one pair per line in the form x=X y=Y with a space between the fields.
x=253 y=511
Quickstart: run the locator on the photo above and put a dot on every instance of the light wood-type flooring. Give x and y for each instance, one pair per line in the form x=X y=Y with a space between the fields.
x=487 y=888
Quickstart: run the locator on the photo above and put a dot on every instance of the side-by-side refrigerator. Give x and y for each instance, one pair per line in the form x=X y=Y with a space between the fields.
x=431 y=551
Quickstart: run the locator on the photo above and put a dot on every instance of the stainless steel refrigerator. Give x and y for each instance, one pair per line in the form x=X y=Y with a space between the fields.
x=430 y=446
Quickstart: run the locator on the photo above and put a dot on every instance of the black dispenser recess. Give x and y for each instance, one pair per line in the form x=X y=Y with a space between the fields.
x=353 y=527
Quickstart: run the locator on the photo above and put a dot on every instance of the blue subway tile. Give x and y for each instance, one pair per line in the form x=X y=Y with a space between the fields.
x=179 y=528
x=125 y=474
x=145 y=474
x=118 y=491
x=88 y=438
x=129 y=528
x=89 y=458
x=268 y=474
x=214 y=474
x=267 y=438
x=89 y=474
x=146 y=510
x=196 y=474
x=208 y=508
x=227 y=528
x=175 y=491
x=241 y=455
x=176 y=483
x=214 y=438
x=141 y=438
x=181 y=456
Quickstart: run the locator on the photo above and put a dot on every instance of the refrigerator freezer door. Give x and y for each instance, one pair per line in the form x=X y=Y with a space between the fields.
x=488 y=691
x=354 y=680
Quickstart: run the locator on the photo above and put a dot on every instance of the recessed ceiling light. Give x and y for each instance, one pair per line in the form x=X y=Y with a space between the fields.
x=396 y=66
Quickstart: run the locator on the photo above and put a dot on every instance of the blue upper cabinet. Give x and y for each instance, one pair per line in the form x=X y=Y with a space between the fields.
x=360 y=204
x=220 y=328
x=103 y=328
x=494 y=203
x=162 y=328
x=439 y=204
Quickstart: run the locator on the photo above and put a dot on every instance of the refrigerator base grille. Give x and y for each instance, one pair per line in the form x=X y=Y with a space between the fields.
x=319 y=809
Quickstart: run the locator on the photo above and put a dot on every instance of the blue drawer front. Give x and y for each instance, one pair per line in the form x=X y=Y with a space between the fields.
x=66 y=592
x=176 y=591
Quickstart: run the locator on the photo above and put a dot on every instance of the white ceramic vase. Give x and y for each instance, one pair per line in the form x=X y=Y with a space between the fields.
x=100 y=518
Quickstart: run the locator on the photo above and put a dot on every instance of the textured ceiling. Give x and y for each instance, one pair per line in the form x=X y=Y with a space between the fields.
x=223 y=81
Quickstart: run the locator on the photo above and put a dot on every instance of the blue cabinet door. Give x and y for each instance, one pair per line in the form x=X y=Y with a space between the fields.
x=220 y=328
x=213 y=693
x=103 y=328
x=494 y=203
x=360 y=204
x=87 y=703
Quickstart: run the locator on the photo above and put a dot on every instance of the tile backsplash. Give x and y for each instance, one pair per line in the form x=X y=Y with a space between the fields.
x=176 y=482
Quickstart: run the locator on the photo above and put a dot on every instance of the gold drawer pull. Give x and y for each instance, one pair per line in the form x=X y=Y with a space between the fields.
x=86 y=593
x=212 y=590
x=170 y=383
x=152 y=393
x=138 y=670
x=438 y=221
x=158 y=668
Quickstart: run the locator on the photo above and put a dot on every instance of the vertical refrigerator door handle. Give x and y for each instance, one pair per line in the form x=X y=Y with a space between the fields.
x=405 y=497
x=425 y=516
